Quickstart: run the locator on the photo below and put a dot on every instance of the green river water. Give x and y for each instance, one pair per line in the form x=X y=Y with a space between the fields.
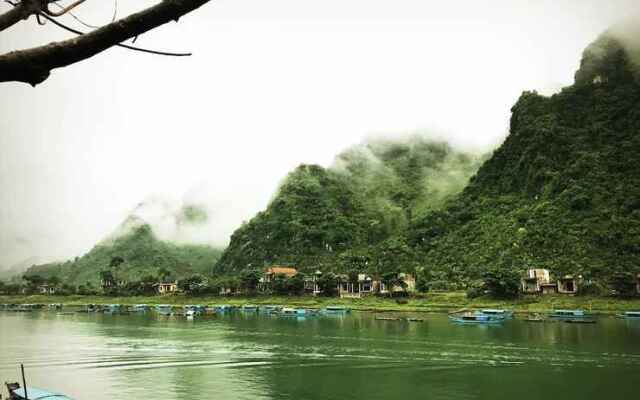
x=238 y=356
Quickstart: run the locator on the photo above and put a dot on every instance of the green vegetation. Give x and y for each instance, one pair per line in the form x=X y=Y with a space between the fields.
x=355 y=214
x=137 y=257
x=434 y=302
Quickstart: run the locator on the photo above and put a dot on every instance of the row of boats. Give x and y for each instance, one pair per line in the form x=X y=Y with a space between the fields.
x=499 y=316
x=189 y=311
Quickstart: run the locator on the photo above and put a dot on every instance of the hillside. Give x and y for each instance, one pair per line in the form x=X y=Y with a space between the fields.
x=353 y=211
x=142 y=253
x=562 y=192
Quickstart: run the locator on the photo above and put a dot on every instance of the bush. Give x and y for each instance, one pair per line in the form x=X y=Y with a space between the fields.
x=475 y=292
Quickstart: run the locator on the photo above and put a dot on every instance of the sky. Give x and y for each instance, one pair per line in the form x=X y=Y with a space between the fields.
x=271 y=84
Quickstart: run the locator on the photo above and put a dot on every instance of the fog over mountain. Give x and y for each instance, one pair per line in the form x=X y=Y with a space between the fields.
x=269 y=87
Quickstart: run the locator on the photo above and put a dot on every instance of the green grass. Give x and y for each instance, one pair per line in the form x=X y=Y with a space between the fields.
x=432 y=302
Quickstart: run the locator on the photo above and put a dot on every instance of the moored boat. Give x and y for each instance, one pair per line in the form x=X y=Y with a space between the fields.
x=140 y=309
x=114 y=309
x=496 y=312
x=270 y=309
x=18 y=393
x=250 y=308
x=568 y=314
x=164 y=309
x=196 y=309
x=475 y=319
x=223 y=308
x=630 y=315
x=336 y=310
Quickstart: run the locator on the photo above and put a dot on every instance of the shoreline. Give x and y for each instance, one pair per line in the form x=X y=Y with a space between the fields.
x=440 y=302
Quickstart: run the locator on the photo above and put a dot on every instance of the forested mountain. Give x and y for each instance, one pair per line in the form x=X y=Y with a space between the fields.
x=354 y=211
x=562 y=192
x=131 y=254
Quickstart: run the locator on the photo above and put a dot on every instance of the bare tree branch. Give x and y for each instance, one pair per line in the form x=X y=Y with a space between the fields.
x=34 y=65
x=21 y=11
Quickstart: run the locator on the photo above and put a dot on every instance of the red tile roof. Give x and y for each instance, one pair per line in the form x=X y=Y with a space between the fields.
x=288 y=271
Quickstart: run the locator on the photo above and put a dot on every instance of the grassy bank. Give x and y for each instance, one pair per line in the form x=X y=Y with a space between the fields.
x=432 y=302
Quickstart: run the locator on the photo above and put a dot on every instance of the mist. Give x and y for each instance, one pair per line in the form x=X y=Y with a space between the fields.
x=269 y=87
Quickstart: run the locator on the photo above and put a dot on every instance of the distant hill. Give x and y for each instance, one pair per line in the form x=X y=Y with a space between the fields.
x=562 y=192
x=330 y=217
x=18 y=268
x=142 y=254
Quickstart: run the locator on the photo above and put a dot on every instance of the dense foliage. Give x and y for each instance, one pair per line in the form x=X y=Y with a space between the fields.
x=355 y=214
x=562 y=192
x=130 y=258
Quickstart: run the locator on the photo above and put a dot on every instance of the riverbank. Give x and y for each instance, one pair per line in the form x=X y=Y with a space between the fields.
x=431 y=302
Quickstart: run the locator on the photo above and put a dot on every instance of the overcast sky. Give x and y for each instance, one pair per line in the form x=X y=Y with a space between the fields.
x=272 y=84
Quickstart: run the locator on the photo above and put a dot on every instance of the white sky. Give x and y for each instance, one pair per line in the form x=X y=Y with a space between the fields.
x=272 y=84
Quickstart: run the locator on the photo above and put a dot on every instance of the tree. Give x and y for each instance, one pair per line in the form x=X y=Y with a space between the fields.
x=295 y=284
x=502 y=282
x=34 y=65
x=249 y=280
x=328 y=284
x=623 y=283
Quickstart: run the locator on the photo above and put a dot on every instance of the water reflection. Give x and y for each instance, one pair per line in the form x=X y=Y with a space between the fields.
x=252 y=356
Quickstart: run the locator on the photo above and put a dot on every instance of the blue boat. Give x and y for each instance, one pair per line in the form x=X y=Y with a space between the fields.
x=568 y=314
x=475 y=319
x=164 y=309
x=496 y=313
x=271 y=309
x=223 y=308
x=250 y=308
x=114 y=309
x=630 y=315
x=140 y=309
x=336 y=310
x=18 y=393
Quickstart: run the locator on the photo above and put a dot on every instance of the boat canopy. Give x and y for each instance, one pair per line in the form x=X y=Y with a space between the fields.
x=492 y=311
x=38 y=394
x=632 y=313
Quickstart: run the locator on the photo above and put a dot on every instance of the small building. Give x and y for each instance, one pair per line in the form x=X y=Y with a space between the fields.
x=567 y=285
x=365 y=286
x=409 y=284
x=166 y=287
x=311 y=283
x=549 y=288
x=533 y=281
x=271 y=272
x=46 y=289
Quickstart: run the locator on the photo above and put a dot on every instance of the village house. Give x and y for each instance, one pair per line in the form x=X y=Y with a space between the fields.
x=270 y=273
x=46 y=289
x=567 y=285
x=365 y=286
x=409 y=284
x=166 y=287
x=311 y=283
x=536 y=280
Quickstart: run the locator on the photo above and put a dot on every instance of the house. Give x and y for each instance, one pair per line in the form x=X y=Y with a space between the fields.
x=46 y=289
x=311 y=283
x=166 y=287
x=549 y=288
x=534 y=281
x=567 y=285
x=409 y=284
x=363 y=287
x=270 y=273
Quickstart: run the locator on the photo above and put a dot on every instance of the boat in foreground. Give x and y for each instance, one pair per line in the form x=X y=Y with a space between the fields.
x=18 y=393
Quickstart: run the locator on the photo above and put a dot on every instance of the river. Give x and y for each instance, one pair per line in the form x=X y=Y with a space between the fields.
x=239 y=356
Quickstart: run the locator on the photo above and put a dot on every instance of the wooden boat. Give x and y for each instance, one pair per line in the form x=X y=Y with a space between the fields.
x=475 y=319
x=496 y=312
x=336 y=310
x=18 y=393
x=630 y=315
x=164 y=309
